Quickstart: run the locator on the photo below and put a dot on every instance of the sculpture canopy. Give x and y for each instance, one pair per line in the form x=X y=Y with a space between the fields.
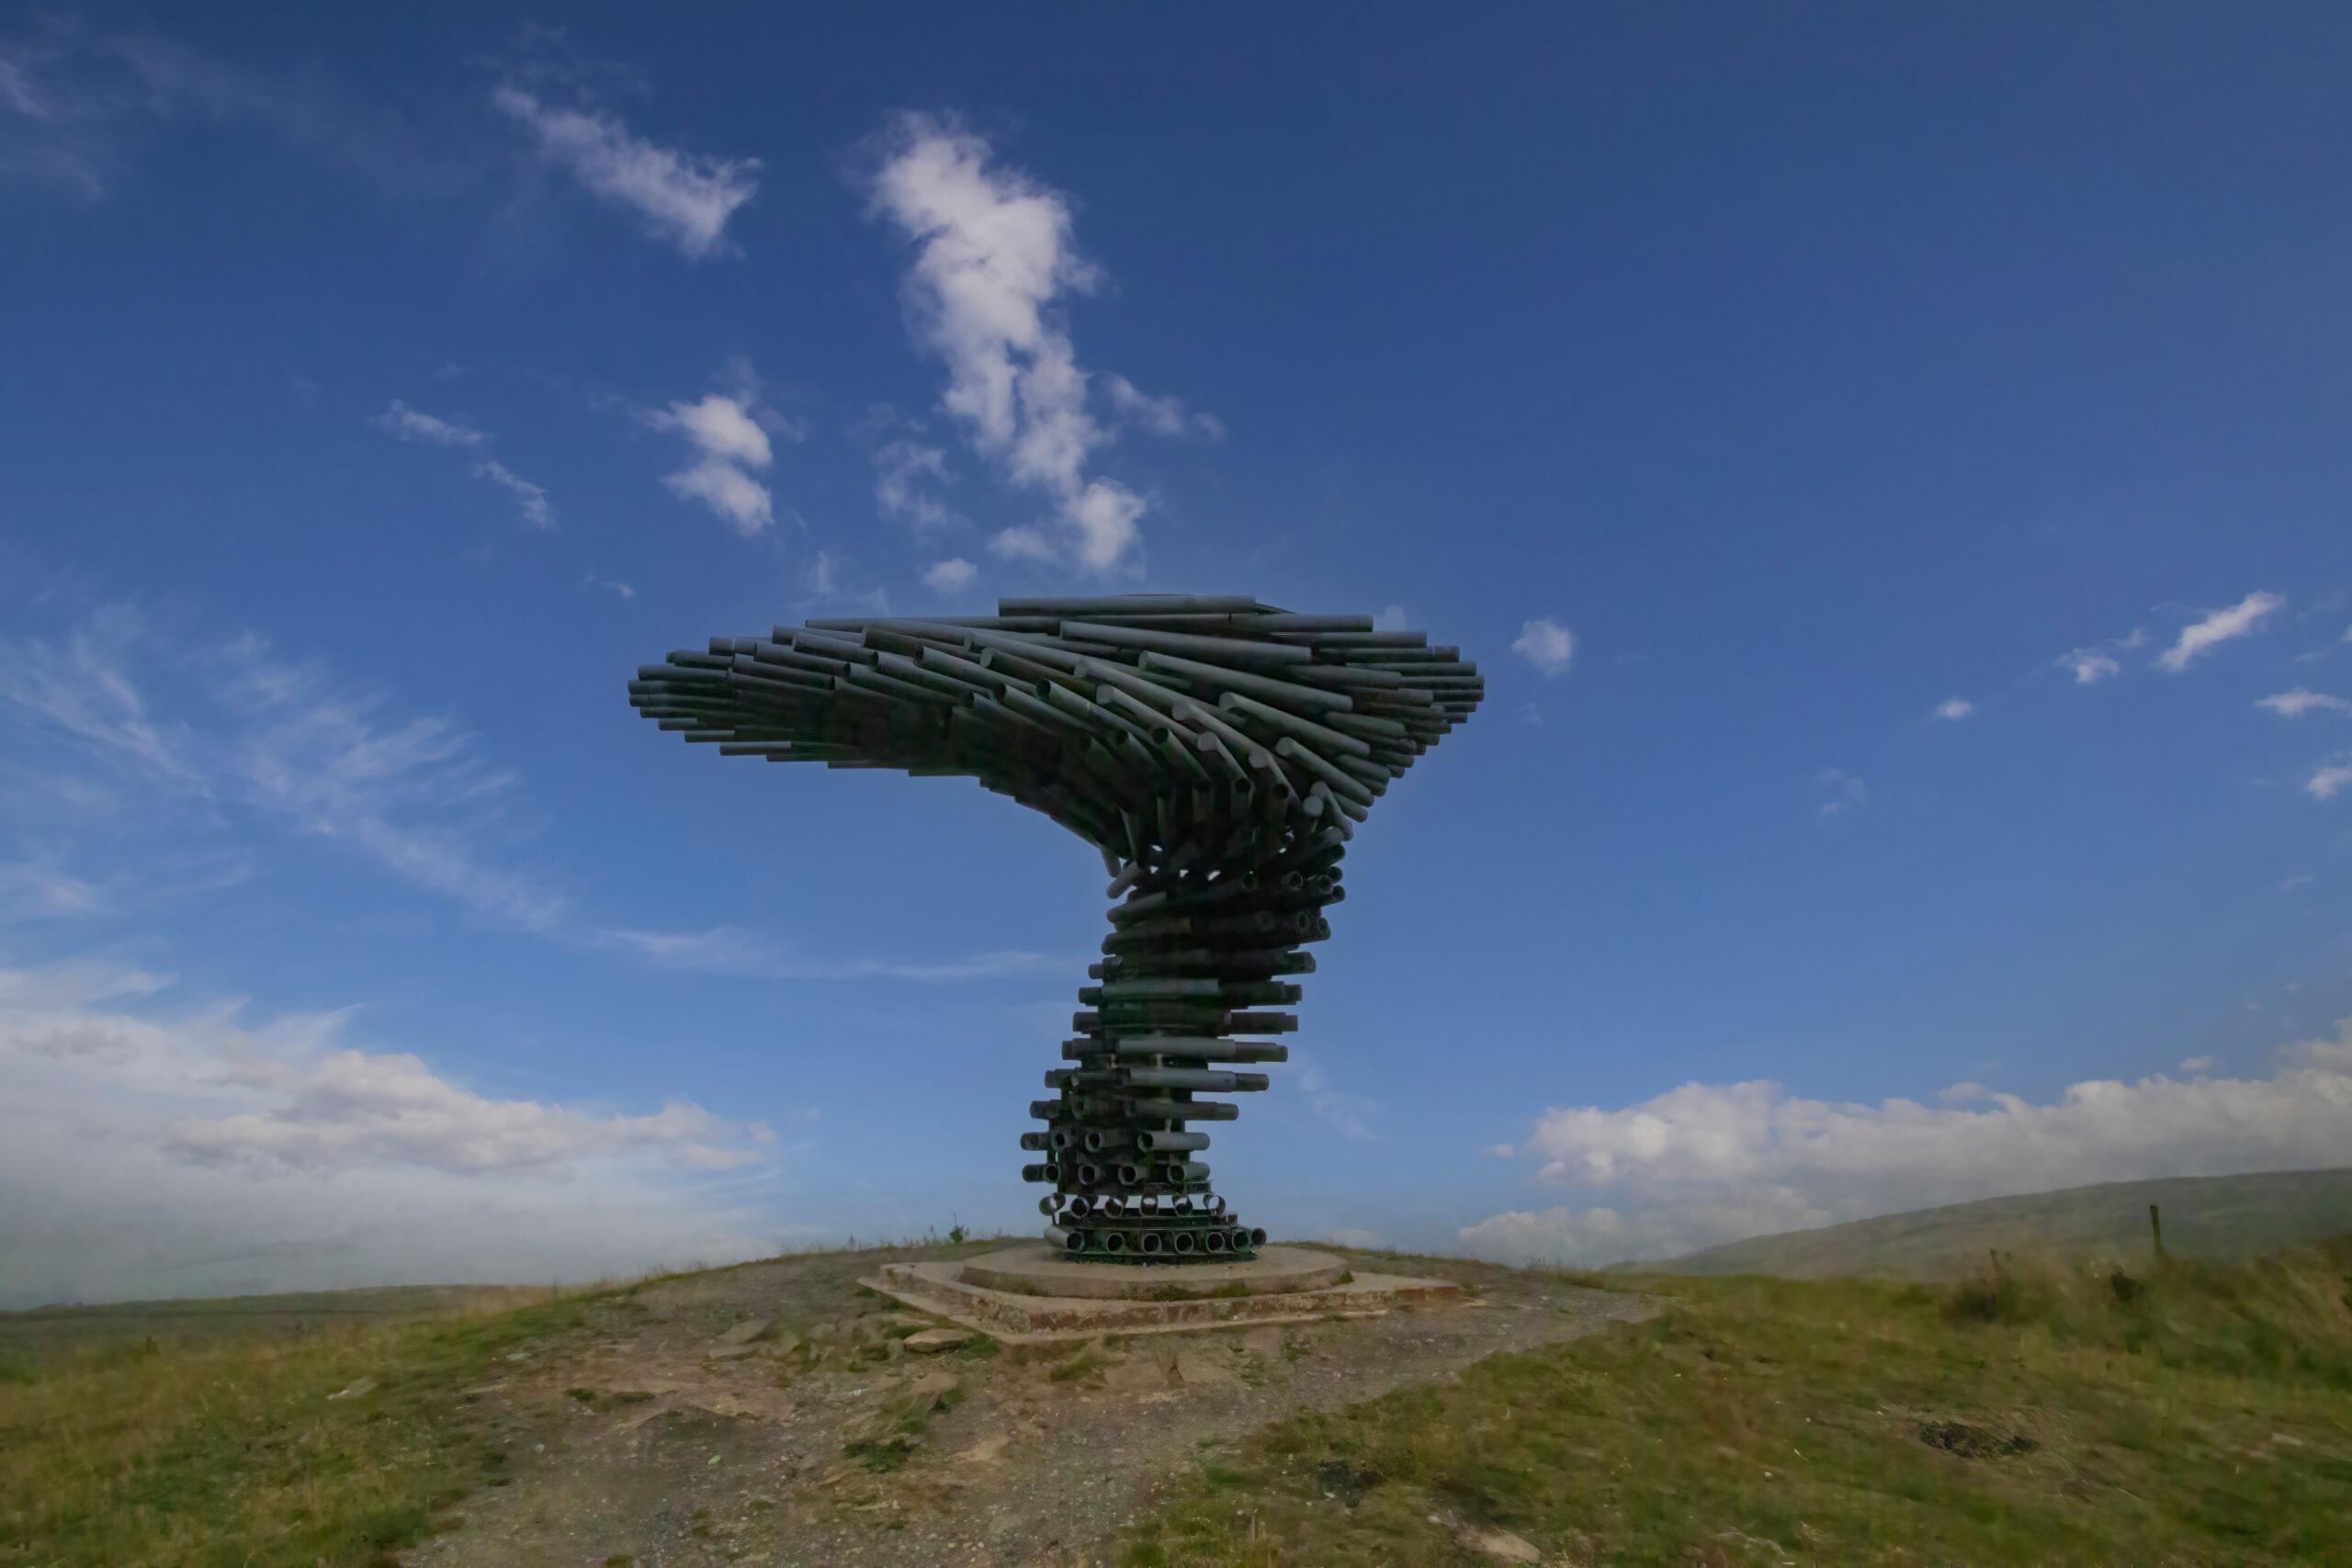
x=1217 y=750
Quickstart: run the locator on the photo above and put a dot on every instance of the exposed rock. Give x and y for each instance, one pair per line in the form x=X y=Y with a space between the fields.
x=931 y=1341
x=988 y=1451
x=732 y=1352
x=750 y=1329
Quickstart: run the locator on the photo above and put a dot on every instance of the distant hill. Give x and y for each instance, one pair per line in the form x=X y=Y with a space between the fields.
x=223 y=1318
x=2220 y=1217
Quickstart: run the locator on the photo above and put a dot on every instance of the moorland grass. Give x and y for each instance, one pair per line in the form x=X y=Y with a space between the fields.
x=2177 y=1412
x=228 y=1452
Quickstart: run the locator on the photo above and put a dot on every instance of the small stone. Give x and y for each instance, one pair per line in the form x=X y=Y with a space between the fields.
x=1267 y=1342
x=988 y=1451
x=748 y=1330
x=931 y=1388
x=931 y=1341
x=732 y=1352
x=1502 y=1546
x=1142 y=1373
x=363 y=1386
x=1203 y=1368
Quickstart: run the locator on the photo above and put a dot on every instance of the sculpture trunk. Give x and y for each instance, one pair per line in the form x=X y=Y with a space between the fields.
x=1217 y=750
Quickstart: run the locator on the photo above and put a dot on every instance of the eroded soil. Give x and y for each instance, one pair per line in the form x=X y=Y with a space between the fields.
x=773 y=1413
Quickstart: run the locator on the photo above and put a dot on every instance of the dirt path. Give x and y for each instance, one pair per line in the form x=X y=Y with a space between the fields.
x=667 y=1436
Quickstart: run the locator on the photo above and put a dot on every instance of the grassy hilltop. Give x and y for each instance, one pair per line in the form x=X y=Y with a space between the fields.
x=2176 y=1411
x=2219 y=1218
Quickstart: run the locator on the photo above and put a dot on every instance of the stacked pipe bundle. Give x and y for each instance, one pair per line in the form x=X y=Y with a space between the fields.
x=1218 y=752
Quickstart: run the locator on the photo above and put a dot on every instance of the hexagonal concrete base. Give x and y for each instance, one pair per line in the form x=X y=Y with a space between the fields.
x=1030 y=1295
x=1037 y=1270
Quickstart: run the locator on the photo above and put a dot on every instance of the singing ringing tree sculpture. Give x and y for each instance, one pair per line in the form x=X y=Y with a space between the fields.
x=1218 y=751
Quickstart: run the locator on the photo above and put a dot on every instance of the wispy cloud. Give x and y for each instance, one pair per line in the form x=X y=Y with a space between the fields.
x=1547 y=645
x=683 y=198
x=993 y=258
x=904 y=471
x=283 y=741
x=1706 y=1163
x=730 y=950
x=1839 y=791
x=2217 y=626
x=2295 y=704
x=412 y=425
x=1350 y=1115
x=1954 y=708
x=1159 y=416
x=406 y=424
x=78 y=103
x=529 y=499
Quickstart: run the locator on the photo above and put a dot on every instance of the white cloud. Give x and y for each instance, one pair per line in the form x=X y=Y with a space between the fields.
x=2295 y=704
x=1954 y=708
x=1839 y=791
x=1503 y=1151
x=2197 y=1064
x=2300 y=879
x=728 y=437
x=411 y=424
x=529 y=499
x=2329 y=779
x=1707 y=1163
x=621 y=590
x=1391 y=619
x=993 y=255
x=159 y=1151
x=1161 y=416
x=684 y=197
x=952 y=576
x=1362 y=1240
x=2217 y=627
x=1547 y=645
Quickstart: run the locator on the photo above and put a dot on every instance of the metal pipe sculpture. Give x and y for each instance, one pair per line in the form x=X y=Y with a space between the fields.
x=1216 y=751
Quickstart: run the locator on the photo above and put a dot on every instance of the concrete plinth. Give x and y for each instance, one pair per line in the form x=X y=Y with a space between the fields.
x=1037 y=1270
x=1004 y=1294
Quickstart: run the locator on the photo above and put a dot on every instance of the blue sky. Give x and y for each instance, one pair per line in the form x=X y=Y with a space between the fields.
x=1892 y=470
